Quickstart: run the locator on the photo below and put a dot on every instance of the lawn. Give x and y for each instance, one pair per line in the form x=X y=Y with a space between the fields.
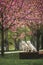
x=13 y=59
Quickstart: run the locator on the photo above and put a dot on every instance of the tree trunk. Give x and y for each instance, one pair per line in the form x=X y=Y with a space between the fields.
x=2 y=42
x=16 y=44
x=42 y=42
x=38 y=36
x=37 y=44
x=6 y=44
x=6 y=40
x=7 y=47
x=2 y=39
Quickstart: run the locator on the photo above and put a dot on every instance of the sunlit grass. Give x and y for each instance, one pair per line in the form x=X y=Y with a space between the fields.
x=11 y=47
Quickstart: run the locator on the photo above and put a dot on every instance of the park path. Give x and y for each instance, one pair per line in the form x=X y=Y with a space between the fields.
x=9 y=52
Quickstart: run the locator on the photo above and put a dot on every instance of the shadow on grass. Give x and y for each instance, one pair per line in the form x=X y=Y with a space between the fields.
x=13 y=59
x=11 y=56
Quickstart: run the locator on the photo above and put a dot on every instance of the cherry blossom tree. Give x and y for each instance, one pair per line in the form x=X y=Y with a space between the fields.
x=13 y=12
x=36 y=23
x=32 y=16
x=8 y=10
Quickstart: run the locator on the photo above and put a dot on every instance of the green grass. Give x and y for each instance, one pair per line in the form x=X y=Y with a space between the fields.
x=13 y=59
